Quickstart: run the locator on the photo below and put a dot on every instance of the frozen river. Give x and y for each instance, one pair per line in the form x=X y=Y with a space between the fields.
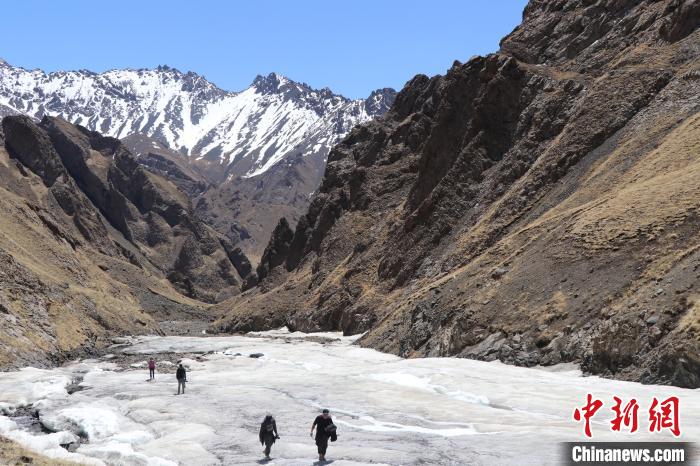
x=388 y=410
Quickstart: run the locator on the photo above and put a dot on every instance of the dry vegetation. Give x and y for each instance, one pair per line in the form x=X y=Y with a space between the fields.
x=12 y=454
x=62 y=295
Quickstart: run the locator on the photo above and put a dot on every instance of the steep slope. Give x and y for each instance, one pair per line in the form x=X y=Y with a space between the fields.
x=537 y=205
x=93 y=245
x=276 y=125
x=169 y=164
x=147 y=210
x=247 y=209
x=55 y=299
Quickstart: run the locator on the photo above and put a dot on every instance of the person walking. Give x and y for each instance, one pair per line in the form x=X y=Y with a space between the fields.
x=151 y=369
x=268 y=434
x=325 y=429
x=181 y=376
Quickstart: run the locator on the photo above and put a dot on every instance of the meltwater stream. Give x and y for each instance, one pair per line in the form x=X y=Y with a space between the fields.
x=388 y=410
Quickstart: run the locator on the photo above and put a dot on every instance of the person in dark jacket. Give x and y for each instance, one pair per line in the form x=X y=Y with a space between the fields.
x=181 y=376
x=268 y=434
x=152 y=369
x=325 y=429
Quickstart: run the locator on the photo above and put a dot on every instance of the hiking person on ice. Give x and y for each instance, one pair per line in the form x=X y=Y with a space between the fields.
x=325 y=429
x=181 y=376
x=151 y=369
x=268 y=434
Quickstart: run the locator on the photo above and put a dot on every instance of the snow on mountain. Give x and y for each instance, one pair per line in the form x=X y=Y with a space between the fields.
x=246 y=132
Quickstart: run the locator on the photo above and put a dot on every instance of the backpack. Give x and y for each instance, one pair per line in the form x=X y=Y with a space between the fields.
x=330 y=428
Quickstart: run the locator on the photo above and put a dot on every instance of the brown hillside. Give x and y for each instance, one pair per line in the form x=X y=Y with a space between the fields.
x=92 y=246
x=537 y=205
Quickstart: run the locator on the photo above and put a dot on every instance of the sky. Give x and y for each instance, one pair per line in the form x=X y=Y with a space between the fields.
x=352 y=47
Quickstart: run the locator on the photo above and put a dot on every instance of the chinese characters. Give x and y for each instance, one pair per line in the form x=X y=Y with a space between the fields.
x=663 y=415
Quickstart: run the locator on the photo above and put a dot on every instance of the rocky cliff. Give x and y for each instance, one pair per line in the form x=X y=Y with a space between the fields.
x=537 y=205
x=93 y=245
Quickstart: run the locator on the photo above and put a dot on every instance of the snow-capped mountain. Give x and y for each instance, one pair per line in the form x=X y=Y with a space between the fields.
x=245 y=158
x=236 y=134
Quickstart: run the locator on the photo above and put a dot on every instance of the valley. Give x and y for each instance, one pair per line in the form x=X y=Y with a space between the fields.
x=450 y=269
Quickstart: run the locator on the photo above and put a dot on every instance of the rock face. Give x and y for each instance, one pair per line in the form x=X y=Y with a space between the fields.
x=169 y=164
x=246 y=210
x=537 y=205
x=261 y=150
x=94 y=178
x=92 y=245
x=277 y=250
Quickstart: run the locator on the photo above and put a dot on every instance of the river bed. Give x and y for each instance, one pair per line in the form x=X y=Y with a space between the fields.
x=388 y=410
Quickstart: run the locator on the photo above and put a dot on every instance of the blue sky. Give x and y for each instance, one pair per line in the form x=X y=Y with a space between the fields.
x=350 y=46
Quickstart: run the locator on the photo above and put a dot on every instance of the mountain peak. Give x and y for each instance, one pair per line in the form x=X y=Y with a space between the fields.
x=189 y=114
x=270 y=83
x=380 y=100
x=166 y=68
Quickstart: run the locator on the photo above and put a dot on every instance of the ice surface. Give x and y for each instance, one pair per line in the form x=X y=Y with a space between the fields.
x=388 y=410
x=49 y=444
